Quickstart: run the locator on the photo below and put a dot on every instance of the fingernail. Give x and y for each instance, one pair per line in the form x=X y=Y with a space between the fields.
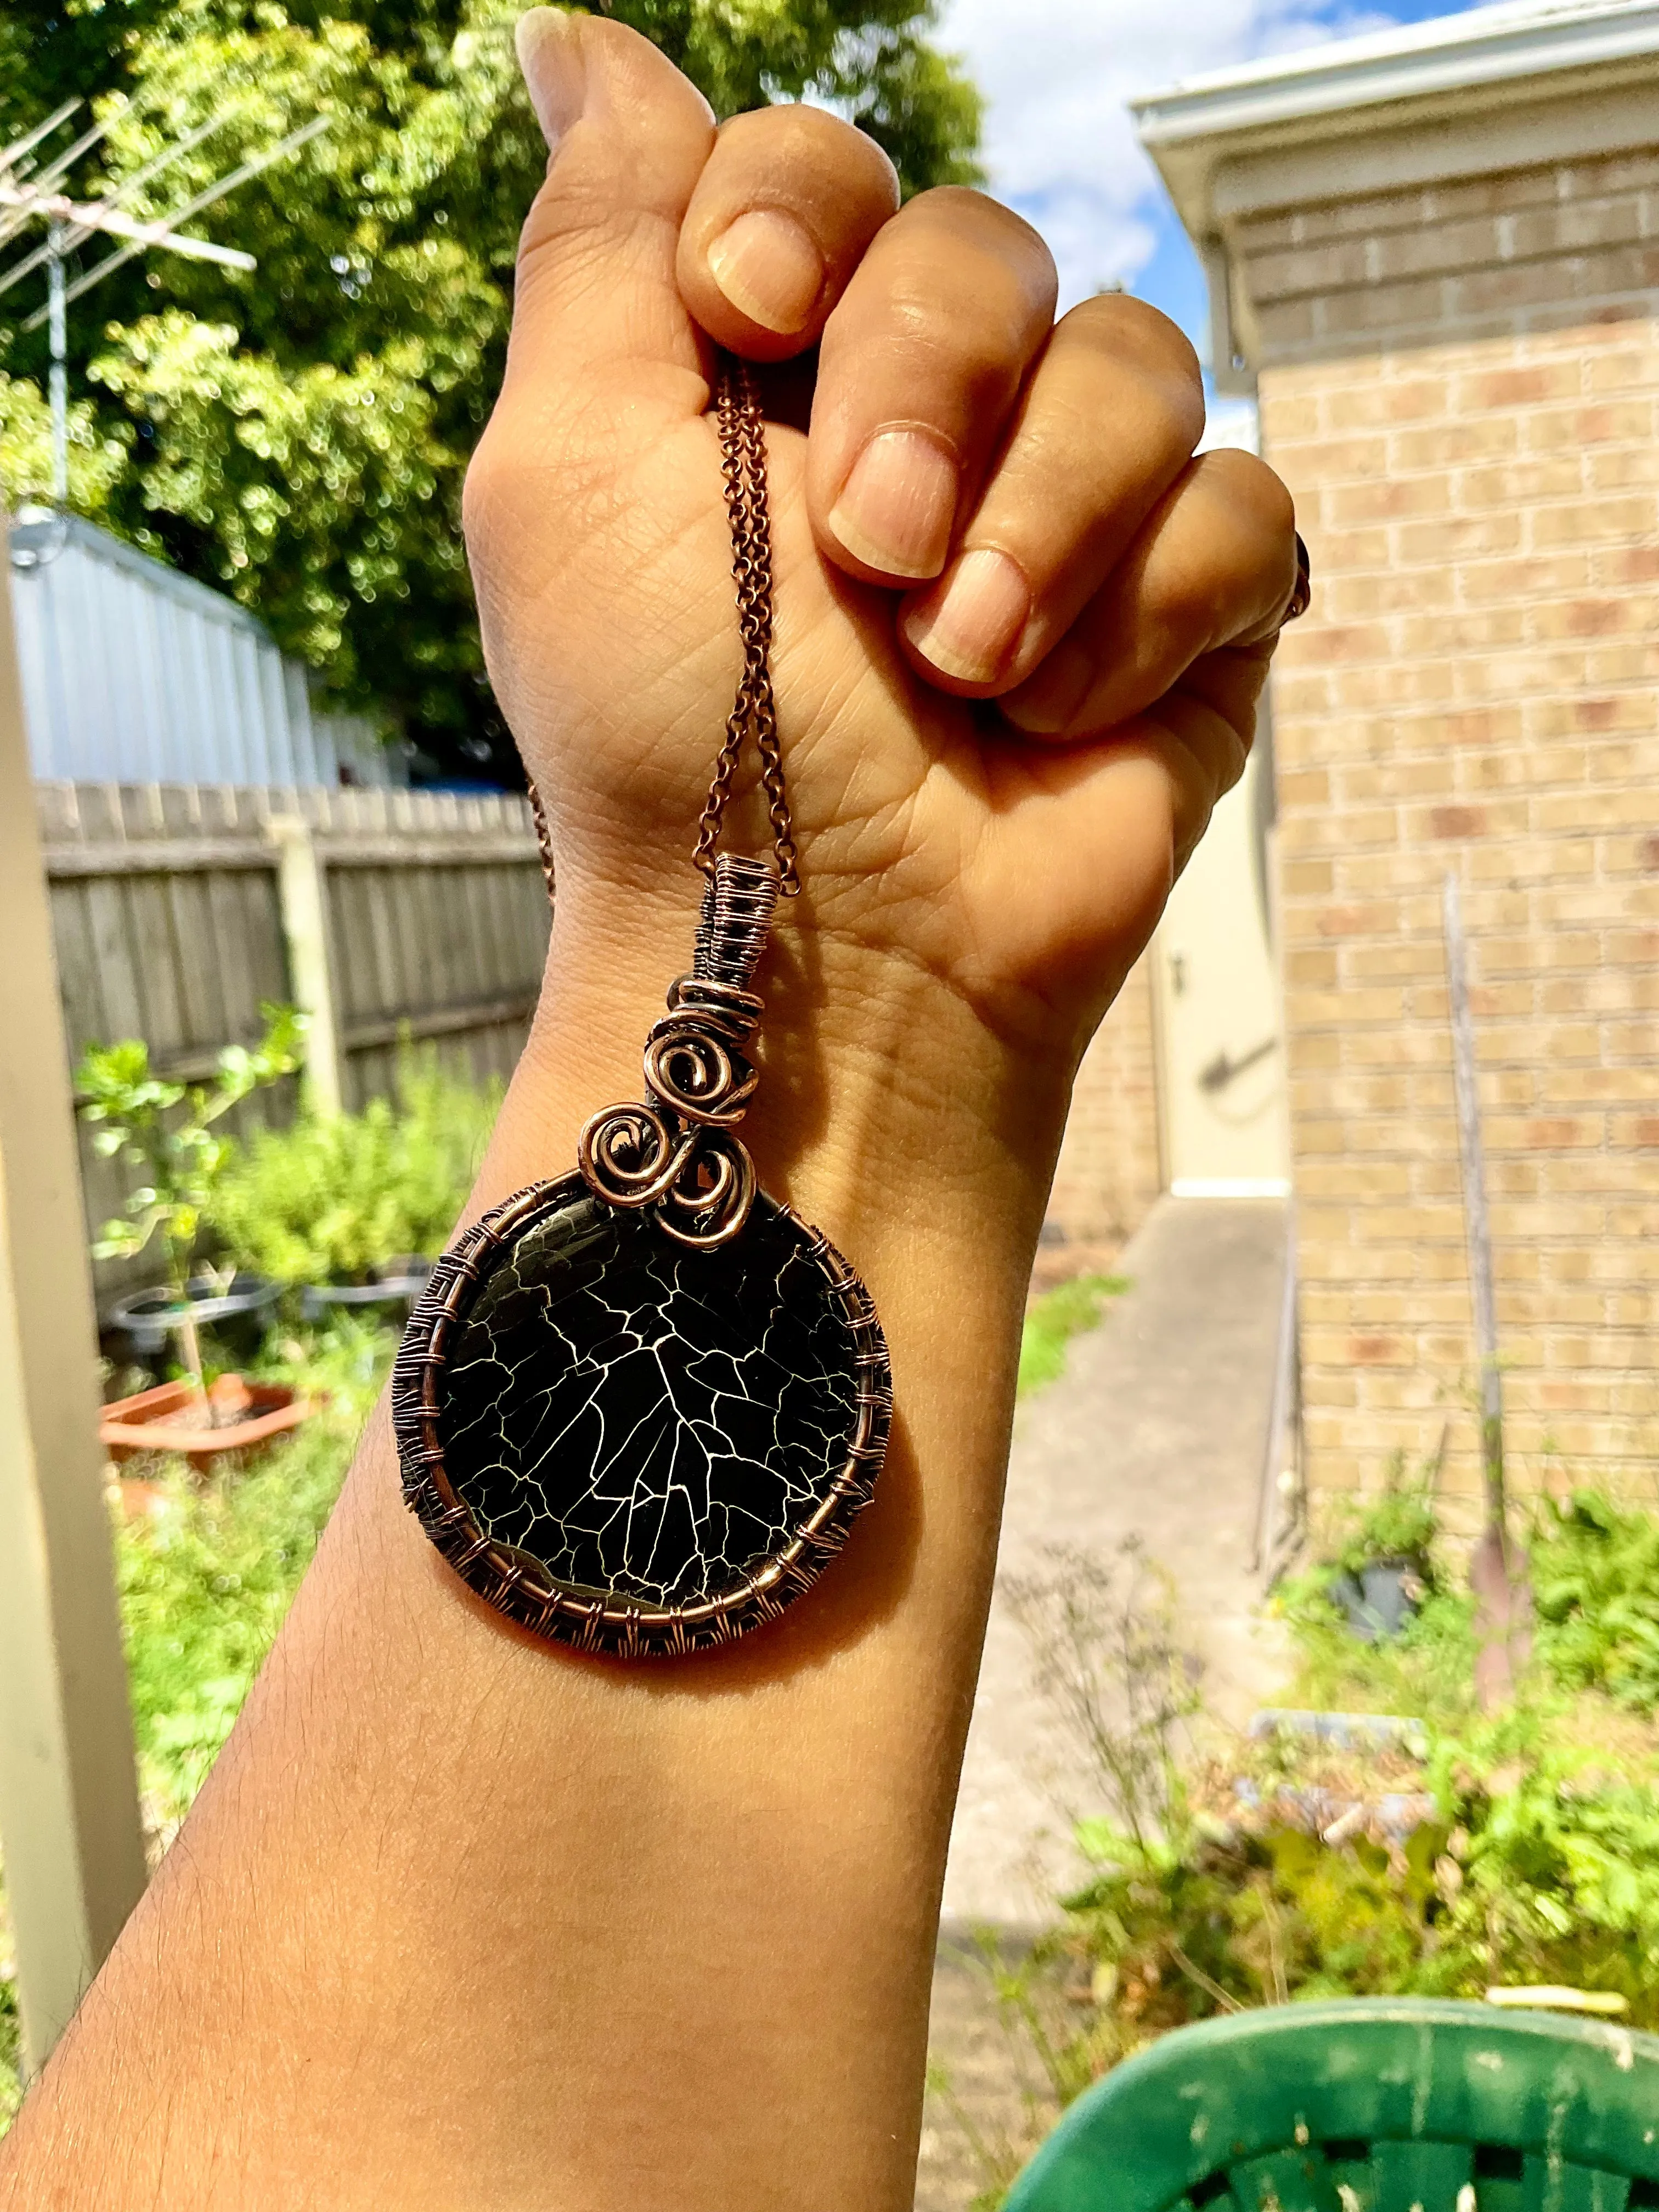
x=971 y=628
x=895 y=511
x=549 y=54
x=769 y=269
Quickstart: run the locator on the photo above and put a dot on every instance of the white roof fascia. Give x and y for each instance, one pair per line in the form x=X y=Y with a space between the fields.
x=1460 y=54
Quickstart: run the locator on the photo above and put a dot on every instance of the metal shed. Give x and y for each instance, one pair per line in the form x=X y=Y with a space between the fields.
x=132 y=673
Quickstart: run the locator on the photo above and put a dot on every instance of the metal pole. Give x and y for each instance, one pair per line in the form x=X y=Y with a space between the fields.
x=1498 y=1567
x=69 y=1827
x=1476 y=1236
x=58 y=319
x=1275 y=1459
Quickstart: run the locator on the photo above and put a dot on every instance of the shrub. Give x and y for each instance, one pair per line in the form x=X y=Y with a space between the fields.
x=1596 y=1591
x=1211 y=1885
x=165 y=1131
x=1424 y=1673
x=1562 y=1860
x=331 y=1198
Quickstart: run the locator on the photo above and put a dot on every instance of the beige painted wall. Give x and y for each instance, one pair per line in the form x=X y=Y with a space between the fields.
x=1108 y=1175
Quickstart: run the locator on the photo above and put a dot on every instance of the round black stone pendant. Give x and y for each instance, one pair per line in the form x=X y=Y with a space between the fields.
x=633 y=1446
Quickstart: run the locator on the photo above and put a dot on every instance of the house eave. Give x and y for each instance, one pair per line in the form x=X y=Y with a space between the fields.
x=1458 y=71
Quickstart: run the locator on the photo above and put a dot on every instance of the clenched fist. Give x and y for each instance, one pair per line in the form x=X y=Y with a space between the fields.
x=1021 y=632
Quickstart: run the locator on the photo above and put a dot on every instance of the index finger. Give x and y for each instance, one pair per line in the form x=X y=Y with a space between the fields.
x=780 y=219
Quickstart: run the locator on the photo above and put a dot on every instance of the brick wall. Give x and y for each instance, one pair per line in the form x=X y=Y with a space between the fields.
x=1108 y=1175
x=1461 y=388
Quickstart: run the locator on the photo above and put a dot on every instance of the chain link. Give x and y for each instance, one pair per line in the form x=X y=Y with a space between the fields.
x=743 y=467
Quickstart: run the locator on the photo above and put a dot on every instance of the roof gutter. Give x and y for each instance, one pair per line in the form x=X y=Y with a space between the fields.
x=1335 y=81
x=1500 y=87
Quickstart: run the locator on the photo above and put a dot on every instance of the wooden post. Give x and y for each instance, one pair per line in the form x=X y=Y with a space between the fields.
x=303 y=898
x=1498 y=1570
x=69 y=1828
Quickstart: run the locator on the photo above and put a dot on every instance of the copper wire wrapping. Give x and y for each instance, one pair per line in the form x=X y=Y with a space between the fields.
x=675 y=1154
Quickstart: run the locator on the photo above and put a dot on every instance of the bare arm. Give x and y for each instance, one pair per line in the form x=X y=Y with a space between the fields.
x=458 y=1920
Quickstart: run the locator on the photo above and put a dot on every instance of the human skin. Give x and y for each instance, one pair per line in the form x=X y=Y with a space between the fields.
x=461 y=1920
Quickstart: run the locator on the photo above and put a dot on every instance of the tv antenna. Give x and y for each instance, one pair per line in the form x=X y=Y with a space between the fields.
x=31 y=193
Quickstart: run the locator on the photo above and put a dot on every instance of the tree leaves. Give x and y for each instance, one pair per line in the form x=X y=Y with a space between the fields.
x=298 y=436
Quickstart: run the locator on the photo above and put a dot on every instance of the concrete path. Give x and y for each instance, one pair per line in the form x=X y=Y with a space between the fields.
x=1156 y=1430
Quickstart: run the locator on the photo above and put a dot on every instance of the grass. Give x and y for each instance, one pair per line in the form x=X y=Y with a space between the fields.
x=1055 y=1319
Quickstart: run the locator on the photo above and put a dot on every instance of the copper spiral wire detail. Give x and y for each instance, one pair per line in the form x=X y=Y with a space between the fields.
x=675 y=1153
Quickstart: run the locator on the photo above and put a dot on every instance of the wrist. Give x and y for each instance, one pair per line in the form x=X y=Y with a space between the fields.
x=887 y=1108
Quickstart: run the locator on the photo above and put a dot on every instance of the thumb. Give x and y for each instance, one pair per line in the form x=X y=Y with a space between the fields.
x=597 y=315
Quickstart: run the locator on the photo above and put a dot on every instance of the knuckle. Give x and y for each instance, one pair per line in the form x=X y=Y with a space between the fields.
x=1136 y=331
x=773 y=139
x=1126 y=339
x=1256 y=492
x=954 y=218
x=974 y=337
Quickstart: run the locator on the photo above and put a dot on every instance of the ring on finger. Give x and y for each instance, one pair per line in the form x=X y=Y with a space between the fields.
x=1302 y=590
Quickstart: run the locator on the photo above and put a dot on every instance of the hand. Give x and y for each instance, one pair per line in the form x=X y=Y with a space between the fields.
x=1021 y=632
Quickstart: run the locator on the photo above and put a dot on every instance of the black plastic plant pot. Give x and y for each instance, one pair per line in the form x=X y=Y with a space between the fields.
x=1380 y=1599
x=238 y=1317
x=399 y=1282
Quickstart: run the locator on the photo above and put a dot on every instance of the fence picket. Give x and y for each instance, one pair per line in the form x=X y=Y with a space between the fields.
x=168 y=926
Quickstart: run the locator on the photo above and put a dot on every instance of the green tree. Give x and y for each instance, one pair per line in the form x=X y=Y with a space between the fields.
x=299 y=435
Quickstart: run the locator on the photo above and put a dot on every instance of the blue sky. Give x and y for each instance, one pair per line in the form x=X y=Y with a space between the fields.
x=1059 y=145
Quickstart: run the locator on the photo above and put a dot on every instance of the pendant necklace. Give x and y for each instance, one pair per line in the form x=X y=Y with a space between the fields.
x=638 y=1406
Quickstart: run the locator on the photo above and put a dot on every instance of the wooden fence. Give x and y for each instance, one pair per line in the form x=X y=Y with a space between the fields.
x=178 y=908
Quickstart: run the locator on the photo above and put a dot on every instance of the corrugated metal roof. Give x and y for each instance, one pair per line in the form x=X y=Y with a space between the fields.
x=134 y=674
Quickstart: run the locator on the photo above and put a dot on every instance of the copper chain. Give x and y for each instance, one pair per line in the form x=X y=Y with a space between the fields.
x=743 y=466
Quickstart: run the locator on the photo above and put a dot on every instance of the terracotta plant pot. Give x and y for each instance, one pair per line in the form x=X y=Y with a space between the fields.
x=172 y=1418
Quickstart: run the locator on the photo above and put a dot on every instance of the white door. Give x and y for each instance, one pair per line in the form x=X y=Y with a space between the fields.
x=1221 y=1057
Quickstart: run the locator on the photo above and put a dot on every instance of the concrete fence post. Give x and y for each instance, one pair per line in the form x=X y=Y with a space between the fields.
x=303 y=897
x=70 y=1829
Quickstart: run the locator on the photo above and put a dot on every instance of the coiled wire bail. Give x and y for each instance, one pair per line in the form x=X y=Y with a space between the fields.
x=738 y=900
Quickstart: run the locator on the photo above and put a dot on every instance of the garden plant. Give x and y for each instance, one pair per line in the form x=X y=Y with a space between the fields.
x=333 y=1198
x=1478 y=1851
x=166 y=1133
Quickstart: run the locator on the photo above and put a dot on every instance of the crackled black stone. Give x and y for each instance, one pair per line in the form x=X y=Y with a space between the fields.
x=644 y=1419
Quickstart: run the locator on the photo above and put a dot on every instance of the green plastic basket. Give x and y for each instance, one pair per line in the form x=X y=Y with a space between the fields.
x=1375 y=2105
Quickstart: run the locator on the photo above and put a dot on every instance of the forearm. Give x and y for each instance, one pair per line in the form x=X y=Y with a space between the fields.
x=498 y=1925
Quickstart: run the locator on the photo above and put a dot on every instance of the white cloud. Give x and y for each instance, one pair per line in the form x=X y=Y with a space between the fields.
x=1056 y=74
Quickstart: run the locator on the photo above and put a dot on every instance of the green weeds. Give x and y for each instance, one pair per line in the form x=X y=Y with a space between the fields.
x=1055 y=1319
x=1519 y=1848
x=207 y=1568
